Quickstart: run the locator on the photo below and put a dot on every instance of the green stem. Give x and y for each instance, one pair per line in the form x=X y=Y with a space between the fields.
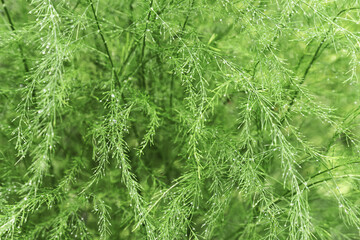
x=12 y=27
x=180 y=34
x=313 y=59
x=127 y=59
x=105 y=44
x=317 y=182
x=76 y=5
x=295 y=96
x=143 y=81
x=132 y=50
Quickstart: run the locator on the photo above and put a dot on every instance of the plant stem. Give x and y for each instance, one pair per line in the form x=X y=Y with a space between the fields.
x=13 y=29
x=143 y=81
x=117 y=83
x=173 y=73
x=317 y=182
x=131 y=51
x=76 y=5
x=313 y=59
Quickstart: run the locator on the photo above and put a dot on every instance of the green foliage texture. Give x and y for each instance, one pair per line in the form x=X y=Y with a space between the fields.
x=179 y=119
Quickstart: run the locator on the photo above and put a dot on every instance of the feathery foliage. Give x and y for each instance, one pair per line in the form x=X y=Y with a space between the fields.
x=180 y=119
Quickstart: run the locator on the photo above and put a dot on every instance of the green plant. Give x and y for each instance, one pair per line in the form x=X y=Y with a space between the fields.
x=179 y=119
